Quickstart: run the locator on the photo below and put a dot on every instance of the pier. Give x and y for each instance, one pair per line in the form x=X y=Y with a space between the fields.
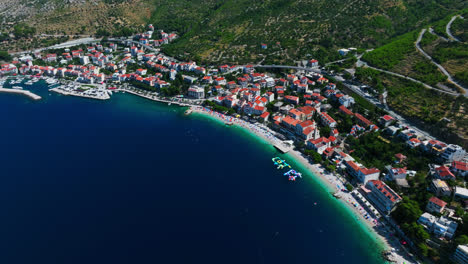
x=105 y=96
x=281 y=147
x=23 y=92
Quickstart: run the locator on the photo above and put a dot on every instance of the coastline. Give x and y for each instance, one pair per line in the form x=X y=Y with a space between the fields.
x=327 y=181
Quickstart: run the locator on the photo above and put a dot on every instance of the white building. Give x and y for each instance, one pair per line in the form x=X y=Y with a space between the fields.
x=461 y=254
x=196 y=92
x=453 y=152
x=440 y=227
x=346 y=100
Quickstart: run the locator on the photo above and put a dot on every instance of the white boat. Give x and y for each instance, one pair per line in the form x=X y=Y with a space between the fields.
x=17 y=87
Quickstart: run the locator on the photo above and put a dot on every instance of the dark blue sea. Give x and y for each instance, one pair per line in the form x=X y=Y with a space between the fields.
x=132 y=181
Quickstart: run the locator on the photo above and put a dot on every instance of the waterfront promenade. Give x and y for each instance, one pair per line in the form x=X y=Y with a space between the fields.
x=23 y=92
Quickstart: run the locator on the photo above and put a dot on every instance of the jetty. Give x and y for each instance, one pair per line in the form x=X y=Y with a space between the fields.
x=103 y=96
x=281 y=147
x=23 y=92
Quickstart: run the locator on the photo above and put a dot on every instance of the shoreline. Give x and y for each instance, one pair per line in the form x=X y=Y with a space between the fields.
x=327 y=181
x=22 y=92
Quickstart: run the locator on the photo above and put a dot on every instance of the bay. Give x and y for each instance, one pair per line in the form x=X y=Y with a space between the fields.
x=132 y=181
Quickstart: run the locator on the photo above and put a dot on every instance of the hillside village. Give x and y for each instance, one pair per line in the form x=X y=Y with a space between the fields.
x=417 y=183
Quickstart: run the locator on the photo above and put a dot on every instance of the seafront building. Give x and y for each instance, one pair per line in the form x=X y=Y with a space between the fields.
x=361 y=173
x=382 y=196
x=196 y=92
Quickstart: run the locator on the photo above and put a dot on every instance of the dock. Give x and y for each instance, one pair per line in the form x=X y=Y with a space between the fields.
x=23 y=92
x=281 y=147
x=80 y=94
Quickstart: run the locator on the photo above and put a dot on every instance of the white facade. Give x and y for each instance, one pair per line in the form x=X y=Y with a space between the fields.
x=196 y=92
x=453 y=152
x=461 y=254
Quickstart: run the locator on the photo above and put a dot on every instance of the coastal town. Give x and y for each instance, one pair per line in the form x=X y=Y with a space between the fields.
x=407 y=186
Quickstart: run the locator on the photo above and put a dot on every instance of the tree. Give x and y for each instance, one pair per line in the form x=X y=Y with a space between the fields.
x=4 y=55
x=424 y=249
x=462 y=240
x=407 y=212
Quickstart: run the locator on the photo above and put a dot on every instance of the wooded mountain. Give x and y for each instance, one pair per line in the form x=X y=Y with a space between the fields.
x=232 y=30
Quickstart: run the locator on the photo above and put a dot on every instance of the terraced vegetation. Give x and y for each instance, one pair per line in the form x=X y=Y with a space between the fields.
x=232 y=31
x=442 y=114
x=401 y=56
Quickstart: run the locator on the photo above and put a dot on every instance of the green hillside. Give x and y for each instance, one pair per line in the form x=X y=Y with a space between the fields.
x=232 y=31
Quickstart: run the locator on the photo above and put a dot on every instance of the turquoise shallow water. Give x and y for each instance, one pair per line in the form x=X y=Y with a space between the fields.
x=131 y=181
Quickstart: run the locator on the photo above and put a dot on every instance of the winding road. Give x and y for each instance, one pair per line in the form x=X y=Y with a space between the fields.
x=449 y=24
x=442 y=69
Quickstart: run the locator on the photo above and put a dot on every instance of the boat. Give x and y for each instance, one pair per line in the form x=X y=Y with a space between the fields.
x=17 y=87
x=188 y=112
x=229 y=123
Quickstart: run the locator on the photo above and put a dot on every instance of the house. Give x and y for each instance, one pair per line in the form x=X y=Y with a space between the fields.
x=435 y=205
x=327 y=120
x=196 y=92
x=444 y=173
x=440 y=188
x=343 y=52
x=296 y=114
x=141 y=71
x=345 y=110
x=292 y=99
x=312 y=63
x=346 y=100
x=189 y=79
x=220 y=81
x=461 y=254
x=400 y=158
x=460 y=192
x=264 y=116
x=382 y=196
x=434 y=146
x=413 y=142
x=397 y=173
x=459 y=168
x=453 y=153
x=308 y=111
x=319 y=145
x=290 y=122
x=441 y=227
x=386 y=120
x=361 y=173
x=362 y=120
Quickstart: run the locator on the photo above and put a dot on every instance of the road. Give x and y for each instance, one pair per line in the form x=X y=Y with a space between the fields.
x=449 y=24
x=403 y=121
x=361 y=63
x=67 y=44
x=289 y=67
x=442 y=69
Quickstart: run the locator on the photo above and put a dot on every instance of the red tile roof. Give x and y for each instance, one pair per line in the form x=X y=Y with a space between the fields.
x=385 y=190
x=437 y=201
x=444 y=172
x=459 y=165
